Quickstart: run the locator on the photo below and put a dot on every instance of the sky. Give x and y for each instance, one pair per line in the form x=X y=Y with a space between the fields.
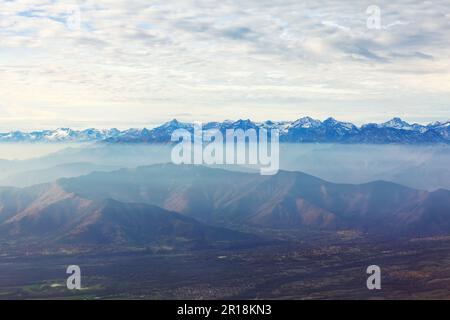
x=109 y=63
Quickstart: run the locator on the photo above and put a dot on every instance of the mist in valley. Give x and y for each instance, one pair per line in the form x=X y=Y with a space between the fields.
x=416 y=166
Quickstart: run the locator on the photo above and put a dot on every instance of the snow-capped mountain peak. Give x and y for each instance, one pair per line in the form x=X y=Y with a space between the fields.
x=396 y=123
x=305 y=122
x=331 y=122
x=305 y=129
x=439 y=124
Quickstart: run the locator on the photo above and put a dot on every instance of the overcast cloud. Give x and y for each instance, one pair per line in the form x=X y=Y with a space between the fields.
x=140 y=63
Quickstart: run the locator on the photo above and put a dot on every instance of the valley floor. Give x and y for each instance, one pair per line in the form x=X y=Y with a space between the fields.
x=316 y=267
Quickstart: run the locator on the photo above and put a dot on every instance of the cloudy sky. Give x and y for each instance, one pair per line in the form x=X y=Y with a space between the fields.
x=110 y=63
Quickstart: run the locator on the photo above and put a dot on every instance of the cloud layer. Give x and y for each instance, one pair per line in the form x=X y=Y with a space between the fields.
x=133 y=63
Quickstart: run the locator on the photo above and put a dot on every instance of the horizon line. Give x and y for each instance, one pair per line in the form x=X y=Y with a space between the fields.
x=223 y=121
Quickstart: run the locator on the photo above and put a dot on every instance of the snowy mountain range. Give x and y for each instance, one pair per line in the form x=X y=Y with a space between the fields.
x=304 y=129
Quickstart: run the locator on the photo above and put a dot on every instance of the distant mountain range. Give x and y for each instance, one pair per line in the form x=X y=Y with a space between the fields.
x=302 y=130
x=51 y=215
x=196 y=205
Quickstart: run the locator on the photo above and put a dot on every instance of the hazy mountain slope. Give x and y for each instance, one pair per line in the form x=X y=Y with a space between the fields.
x=131 y=223
x=423 y=176
x=14 y=200
x=430 y=215
x=58 y=217
x=67 y=170
x=49 y=210
x=74 y=208
x=285 y=200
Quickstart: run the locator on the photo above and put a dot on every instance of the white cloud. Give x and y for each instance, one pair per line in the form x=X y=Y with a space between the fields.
x=142 y=62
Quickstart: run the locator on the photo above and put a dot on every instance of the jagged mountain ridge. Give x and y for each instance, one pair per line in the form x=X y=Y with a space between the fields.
x=196 y=204
x=285 y=200
x=54 y=216
x=304 y=129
